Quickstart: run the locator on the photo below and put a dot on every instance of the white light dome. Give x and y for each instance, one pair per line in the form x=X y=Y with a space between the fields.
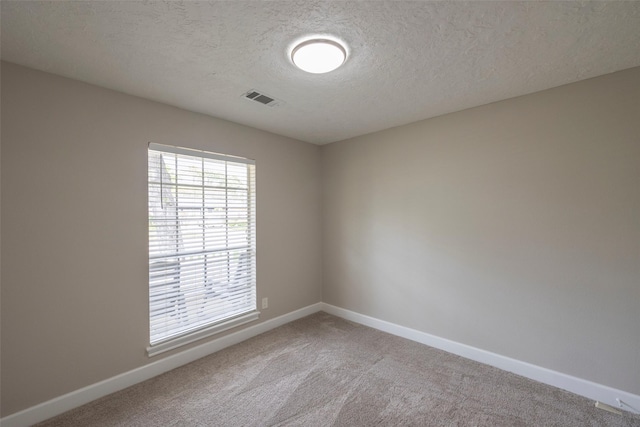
x=318 y=56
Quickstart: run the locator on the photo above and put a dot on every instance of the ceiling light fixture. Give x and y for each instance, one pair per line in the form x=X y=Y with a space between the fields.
x=318 y=55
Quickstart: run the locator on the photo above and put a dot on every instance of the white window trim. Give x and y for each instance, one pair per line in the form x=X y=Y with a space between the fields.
x=174 y=343
x=220 y=326
x=205 y=154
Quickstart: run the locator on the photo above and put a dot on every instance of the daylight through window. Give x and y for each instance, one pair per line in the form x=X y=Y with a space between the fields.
x=201 y=241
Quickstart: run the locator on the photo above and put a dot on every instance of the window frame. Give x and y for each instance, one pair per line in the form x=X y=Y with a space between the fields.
x=247 y=265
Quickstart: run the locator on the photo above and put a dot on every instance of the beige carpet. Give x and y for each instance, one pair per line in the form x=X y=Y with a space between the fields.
x=325 y=371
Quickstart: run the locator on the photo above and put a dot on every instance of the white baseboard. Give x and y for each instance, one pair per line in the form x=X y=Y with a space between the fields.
x=588 y=389
x=64 y=403
x=51 y=408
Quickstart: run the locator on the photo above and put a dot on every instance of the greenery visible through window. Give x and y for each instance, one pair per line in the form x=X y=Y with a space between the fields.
x=201 y=240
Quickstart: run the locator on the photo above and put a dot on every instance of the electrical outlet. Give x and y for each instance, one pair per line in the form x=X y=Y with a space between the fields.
x=265 y=303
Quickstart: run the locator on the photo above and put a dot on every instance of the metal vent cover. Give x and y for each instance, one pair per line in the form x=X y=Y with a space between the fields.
x=261 y=97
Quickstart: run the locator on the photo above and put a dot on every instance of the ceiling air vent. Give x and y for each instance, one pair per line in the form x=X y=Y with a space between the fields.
x=261 y=97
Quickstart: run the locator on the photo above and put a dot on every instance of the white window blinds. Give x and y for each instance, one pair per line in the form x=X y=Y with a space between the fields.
x=201 y=240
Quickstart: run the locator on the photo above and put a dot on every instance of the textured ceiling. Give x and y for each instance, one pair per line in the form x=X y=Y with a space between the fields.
x=407 y=60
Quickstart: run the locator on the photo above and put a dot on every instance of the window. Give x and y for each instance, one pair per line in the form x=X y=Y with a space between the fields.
x=202 y=234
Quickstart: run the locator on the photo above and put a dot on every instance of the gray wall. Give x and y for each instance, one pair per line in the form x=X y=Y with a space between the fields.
x=74 y=227
x=512 y=227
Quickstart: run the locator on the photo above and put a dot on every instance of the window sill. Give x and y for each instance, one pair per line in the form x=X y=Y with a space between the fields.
x=182 y=340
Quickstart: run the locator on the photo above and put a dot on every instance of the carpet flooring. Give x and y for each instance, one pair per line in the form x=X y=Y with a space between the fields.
x=325 y=371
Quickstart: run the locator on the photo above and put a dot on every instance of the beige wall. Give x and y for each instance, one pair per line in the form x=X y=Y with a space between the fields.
x=74 y=227
x=512 y=227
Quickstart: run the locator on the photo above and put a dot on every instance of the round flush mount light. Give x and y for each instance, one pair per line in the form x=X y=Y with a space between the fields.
x=318 y=55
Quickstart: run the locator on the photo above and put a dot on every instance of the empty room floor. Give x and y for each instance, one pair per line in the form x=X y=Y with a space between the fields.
x=325 y=371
